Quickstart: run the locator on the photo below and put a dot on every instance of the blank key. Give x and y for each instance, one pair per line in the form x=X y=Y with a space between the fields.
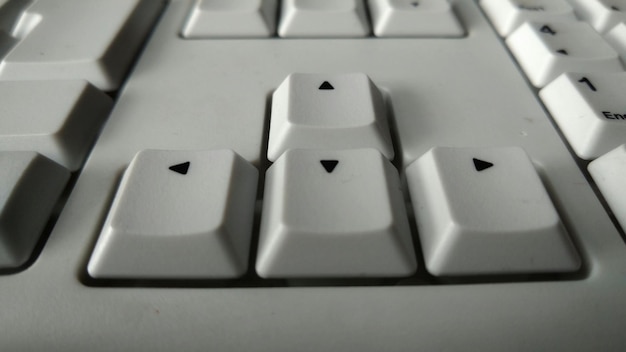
x=485 y=211
x=98 y=47
x=30 y=186
x=601 y=14
x=411 y=18
x=62 y=124
x=231 y=18
x=323 y=18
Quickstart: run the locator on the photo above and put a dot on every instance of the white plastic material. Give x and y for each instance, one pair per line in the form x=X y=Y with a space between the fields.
x=616 y=37
x=484 y=211
x=601 y=14
x=589 y=109
x=99 y=46
x=179 y=214
x=62 y=124
x=323 y=18
x=231 y=18
x=546 y=50
x=608 y=172
x=333 y=214
x=207 y=94
x=328 y=111
x=507 y=15
x=30 y=186
x=425 y=18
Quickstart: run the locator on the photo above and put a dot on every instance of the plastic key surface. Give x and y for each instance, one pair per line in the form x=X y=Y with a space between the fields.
x=590 y=110
x=62 y=125
x=179 y=214
x=98 y=47
x=546 y=50
x=320 y=111
x=30 y=186
x=485 y=211
x=332 y=214
x=601 y=14
x=323 y=18
x=608 y=172
x=406 y=18
x=507 y=15
x=231 y=19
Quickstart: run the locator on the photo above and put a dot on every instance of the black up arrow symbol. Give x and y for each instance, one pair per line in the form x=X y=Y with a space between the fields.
x=481 y=165
x=329 y=165
x=326 y=86
x=181 y=168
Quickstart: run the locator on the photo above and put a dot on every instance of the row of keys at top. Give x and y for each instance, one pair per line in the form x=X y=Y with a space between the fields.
x=321 y=19
x=508 y=15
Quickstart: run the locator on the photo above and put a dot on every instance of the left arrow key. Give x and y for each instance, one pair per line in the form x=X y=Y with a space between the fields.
x=161 y=228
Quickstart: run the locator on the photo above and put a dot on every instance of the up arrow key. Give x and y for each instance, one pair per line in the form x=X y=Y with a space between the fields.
x=481 y=165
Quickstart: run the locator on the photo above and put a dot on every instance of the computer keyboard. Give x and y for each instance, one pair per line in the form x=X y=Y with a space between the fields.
x=308 y=175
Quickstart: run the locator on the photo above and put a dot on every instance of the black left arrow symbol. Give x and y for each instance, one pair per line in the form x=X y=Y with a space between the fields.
x=181 y=168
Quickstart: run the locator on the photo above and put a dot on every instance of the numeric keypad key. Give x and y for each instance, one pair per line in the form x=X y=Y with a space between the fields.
x=545 y=50
x=508 y=15
x=590 y=110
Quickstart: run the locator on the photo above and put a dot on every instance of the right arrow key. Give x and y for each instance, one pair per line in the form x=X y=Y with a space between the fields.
x=486 y=212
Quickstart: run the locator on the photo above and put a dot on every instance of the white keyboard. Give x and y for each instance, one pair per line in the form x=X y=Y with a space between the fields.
x=308 y=175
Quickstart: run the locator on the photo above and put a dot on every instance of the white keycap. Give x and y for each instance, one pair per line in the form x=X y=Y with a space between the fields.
x=10 y=11
x=485 y=211
x=507 y=15
x=590 y=110
x=616 y=37
x=98 y=47
x=601 y=14
x=30 y=186
x=179 y=214
x=323 y=18
x=608 y=172
x=319 y=111
x=409 y=18
x=58 y=119
x=329 y=214
x=546 y=50
x=231 y=18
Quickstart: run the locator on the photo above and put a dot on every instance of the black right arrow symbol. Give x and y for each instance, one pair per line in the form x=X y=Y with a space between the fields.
x=481 y=165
